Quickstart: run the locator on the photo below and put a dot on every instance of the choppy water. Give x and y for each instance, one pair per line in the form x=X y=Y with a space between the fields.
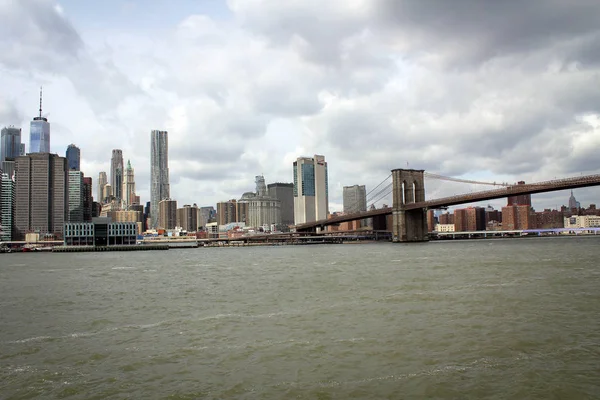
x=495 y=319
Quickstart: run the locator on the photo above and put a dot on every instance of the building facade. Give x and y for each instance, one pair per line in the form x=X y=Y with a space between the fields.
x=73 y=156
x=129 y=186
x=167 y=214
x=517 y=217
x=102 y=181
x=75 y=196
x=284 y=192
x=100 y=232
x=187 y=218
x=7 y=207
x=159 y=172
x=41 y=194
x=262 y=209
x=88 y=200
x=116 y=173
x=311 y=196
x=355 y=199
x=227 y=212
x=582 y=221
x=206 y=215
x=10 y=144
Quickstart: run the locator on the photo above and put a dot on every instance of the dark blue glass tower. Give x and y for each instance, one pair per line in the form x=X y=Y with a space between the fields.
x=73 y=158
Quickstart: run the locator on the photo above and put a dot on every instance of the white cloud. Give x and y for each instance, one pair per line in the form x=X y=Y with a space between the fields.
x=369 y=87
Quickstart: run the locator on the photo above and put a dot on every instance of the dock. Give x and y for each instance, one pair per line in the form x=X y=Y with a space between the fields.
x=80 y=249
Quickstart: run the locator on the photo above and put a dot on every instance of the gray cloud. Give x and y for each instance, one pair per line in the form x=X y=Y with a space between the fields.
x=500 y=87
x=471 y=31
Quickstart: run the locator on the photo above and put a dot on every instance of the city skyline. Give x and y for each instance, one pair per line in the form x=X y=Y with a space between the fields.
x=382 y=104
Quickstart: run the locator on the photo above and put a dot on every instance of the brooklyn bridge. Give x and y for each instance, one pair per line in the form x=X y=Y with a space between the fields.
x=409 y=206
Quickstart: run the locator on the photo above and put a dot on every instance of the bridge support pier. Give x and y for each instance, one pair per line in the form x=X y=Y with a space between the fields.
x=408 y=188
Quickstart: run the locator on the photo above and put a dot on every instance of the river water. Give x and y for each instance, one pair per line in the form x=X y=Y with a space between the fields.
x=494 y=319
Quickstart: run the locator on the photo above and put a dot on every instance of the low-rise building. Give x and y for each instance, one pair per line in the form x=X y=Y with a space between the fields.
x=444 y=227
x=582 y=221
x=100 y=232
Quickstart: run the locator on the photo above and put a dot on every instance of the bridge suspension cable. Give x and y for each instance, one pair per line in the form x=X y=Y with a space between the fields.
x=382 y=194
x=368 y=195
x=448 y=178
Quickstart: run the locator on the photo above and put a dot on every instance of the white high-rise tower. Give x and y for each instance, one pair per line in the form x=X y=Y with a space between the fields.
x=311 y=196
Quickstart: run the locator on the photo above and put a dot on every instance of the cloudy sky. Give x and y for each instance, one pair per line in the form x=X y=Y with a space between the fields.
x=485 y=90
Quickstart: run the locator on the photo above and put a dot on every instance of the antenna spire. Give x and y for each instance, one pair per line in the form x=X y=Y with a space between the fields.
x=40 y=102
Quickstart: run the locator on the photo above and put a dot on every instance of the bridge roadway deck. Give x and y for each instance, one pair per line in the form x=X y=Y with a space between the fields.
x=530 y=188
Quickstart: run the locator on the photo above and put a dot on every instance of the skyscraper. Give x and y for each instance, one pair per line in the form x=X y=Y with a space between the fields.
x=39 y=133
x=311 y=196
x=355 y=198
x=129 y=186
x=10 y=144
x=284 y=192
x=73 y=158
x=187 y=218
x=88 y=200
x=116 y=173
x=102 y=181
x=41 y=194
x=167 y=214
x=7 y=207
x=75 y=196
x=159 y=172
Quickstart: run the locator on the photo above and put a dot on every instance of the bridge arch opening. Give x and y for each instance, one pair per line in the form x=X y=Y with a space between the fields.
x=404 y=186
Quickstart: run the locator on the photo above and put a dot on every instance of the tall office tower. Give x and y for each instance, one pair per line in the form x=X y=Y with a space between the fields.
x=73 y=158
x=96 y=209
x=39 y=133
x=108 y=193
x=146 y=216
x=205 y=215
x=167 y=214
x=573 y=203
x=116 y=173
x=187 y=218
x=284 y=192
x=102 y=181
x=129 y=186
x=159 y=172
x=355 y=198
x=227 y=212
x=311 y=196
x=41 y=194
x=7 y=207
x=88 y=199
x=10 y=144
x=75 y=196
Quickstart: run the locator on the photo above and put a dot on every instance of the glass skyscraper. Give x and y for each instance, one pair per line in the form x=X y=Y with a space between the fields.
x=39 y=135
x=73 y=158
x=10 y=144
x=311 y=195
x=159 y=173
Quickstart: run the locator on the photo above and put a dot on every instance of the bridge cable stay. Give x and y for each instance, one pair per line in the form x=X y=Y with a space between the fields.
x=448 y=178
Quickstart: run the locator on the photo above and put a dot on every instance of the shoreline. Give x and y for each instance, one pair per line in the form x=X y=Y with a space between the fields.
x=237 y=243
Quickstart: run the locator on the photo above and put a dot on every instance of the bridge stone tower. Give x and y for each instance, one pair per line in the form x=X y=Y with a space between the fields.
x=408 y=188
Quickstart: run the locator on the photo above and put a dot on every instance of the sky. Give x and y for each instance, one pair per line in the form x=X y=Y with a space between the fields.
x=483 y=90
